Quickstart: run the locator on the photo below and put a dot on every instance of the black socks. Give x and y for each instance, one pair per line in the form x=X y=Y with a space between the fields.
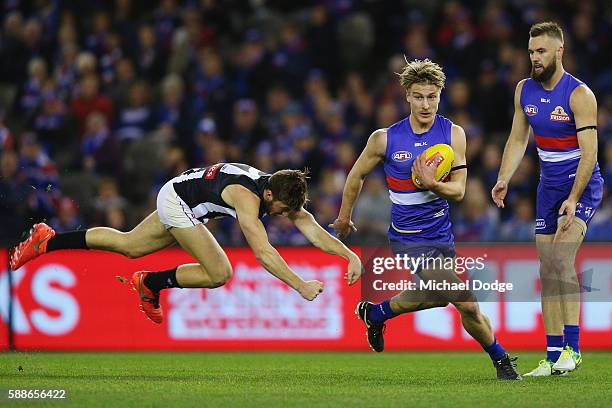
x=157 y=281
x=68 y=240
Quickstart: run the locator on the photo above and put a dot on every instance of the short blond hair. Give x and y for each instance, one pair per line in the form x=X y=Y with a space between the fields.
x=422 y=72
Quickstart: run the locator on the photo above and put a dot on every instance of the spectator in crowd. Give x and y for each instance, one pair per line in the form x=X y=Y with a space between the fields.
x=89 y=100
x=14 y=192
x=171 y=113
x=40 y=174
x=31 y=94
x=135 y=119
x=68 y=218
x=150 y=62
x=476 y=219
x=125 y=77
x=521 y=225
x=100 y=148
x=372 y=211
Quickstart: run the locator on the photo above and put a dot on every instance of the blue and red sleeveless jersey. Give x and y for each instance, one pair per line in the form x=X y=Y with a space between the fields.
x=552 y=121
x=416 y=215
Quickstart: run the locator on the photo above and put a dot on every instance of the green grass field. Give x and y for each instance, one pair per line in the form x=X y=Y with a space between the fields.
x=297 y=379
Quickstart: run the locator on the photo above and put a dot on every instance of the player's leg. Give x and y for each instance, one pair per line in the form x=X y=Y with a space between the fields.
x=213 y=268
x=478 y=325
x=552 y=312
x=181 y=225
x=374 y=316
x=565 y=246
x=147 y=237
x=410 y=301
x=548 y=201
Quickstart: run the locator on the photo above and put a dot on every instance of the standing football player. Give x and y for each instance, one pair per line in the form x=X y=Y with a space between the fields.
x=420 y=222
x=562 y=111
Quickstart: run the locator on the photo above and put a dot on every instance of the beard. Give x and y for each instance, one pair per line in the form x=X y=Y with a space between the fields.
x=546 y=74
x=267 y=206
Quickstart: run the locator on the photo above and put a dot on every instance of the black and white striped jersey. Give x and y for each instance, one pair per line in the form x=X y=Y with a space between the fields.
x=201 y=188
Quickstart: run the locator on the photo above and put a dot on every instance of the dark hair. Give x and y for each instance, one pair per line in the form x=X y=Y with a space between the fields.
x=549 y=28
x=289 y=187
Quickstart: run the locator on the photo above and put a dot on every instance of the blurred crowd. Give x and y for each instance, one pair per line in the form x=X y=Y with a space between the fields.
x=101 y=101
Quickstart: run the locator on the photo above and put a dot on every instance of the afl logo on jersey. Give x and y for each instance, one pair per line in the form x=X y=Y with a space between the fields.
x=559 y=115
x=402 y=156
x=531 y=110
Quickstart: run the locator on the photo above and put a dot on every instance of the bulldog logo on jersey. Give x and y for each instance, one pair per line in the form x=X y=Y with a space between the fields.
x=559 y=115
x=531 y=110
x=402 y=156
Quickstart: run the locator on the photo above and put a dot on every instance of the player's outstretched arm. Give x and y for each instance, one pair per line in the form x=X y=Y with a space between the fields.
x=246 y=205
x=584 y=106
x=514 y=150
x=373 y=154
x=454 y=188
x=320 y=238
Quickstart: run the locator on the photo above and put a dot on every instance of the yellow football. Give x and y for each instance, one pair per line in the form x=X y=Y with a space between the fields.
x=441 y=156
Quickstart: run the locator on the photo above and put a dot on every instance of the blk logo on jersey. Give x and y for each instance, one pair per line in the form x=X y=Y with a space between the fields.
x=401 y=156
x=531 y=110
x=540 y=223
x=559 y=115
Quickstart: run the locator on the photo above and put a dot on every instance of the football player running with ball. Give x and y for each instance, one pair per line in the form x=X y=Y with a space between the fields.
x=420 y=222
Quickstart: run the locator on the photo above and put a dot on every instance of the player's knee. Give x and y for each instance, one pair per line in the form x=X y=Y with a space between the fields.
x=221 y=276
x=562 y=254
x=128 y=246
x=133 y=252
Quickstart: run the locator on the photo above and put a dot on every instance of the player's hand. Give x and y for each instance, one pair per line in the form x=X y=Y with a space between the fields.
x=569 y=208
x=310 y=289
x=343 y=227
x=354 y=272
x=426 y=174
x=498 y=193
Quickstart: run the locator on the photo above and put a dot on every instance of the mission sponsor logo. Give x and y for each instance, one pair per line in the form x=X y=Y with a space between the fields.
x=531 y=110
x=559 y=115
x=402 y=156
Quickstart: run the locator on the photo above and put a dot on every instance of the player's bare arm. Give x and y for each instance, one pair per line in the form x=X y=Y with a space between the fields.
x=247 y=205
x=584 y=106
x=514 y=149
x=373 y=154
x=320 y=238
x=454 y=188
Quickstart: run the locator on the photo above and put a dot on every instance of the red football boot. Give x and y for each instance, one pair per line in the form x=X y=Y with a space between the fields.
x=149 y=300
x=35 y=245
